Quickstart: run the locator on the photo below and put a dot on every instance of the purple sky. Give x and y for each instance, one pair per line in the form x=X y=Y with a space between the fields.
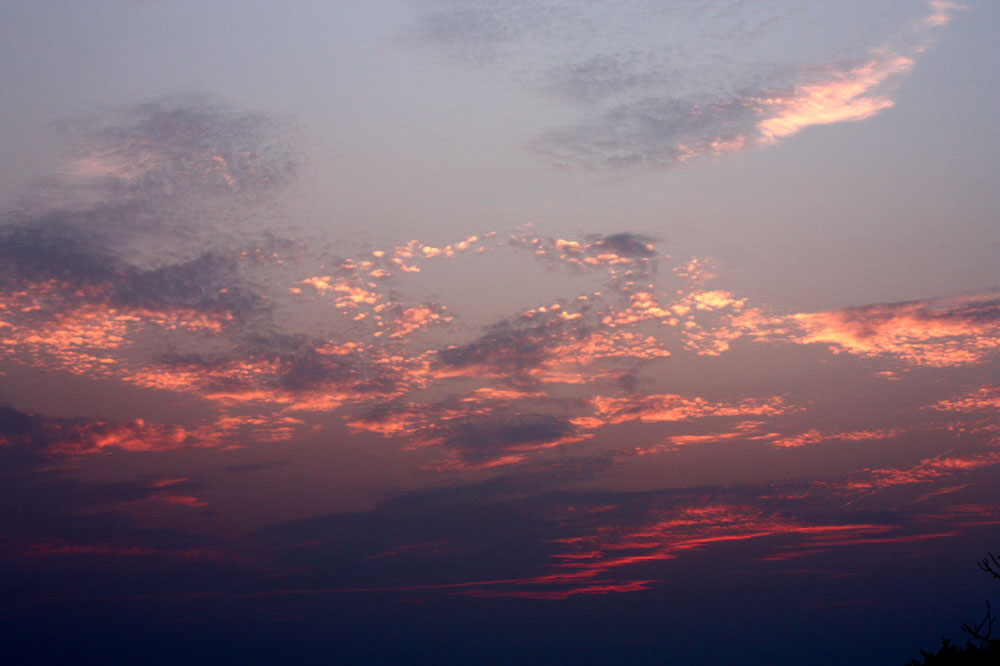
x=498 y=330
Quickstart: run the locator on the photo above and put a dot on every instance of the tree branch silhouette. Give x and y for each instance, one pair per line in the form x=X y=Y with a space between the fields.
x=976 y=631
x=983 y=630
x=990 y=565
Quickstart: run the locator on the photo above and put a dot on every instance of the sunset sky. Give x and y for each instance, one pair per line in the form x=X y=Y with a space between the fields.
x=498 y=331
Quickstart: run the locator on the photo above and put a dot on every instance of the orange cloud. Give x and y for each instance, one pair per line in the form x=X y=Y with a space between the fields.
x=945 y=332
x=697 y=270
x=849 y=95
x=927 y=470
x=983 y=399
x=817 y=436
x=137 y=435
x=671 y=407
x=941 y=13
x=41 y=324
x=416 y=318
x=844 y=96
x=584 y=565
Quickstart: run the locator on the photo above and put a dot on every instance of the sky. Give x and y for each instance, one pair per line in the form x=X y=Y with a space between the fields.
x=497 y=331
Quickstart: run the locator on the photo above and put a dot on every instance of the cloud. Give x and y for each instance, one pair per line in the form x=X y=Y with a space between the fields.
x=122 y=258
x=944 y=332
x=181 y=145
x=511 y=348
x=626 y=245
x=620 y=254
x=606 y=76
x=479 y=26
x=285 y=371
x=38 y=436
x=49 y=515
x=276 y=339
x=683 y=85
x=651 y=133
x=941 y=332
x=208 y=283
x=939 y=467
x=661 y=534
x=670 y=407
x=79 y=315
x=105 y=248
x=53 y=249
x=815 y=436
x=363 y=300
x=840 y=96
x=658 y=132
x=984 y=399
x=143 y=185
x=497 y=539
x=505 y=437
x=550 y=345
x=76 y=306
x=487 y=428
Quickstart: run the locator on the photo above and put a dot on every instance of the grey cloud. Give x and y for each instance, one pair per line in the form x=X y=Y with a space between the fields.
x=53 y=250
x=300 y=367
x=979 y=308
x=485 y=30
x=472 y=532
x=23 y=438
x=478 y=26
x=503 y=347
x=208 y=283
x=477 y=429
x=651 y=132
x=655 y=84
x=148 y=178
x=297 y=366
x=478 y=438
x=29 y=436
x=627 y=244
x=136 y=207
x=68 y=253
x=177 y=145
x=310 y=371
x=628 y=381
x=593 y=254
x=597 y=78
x=647 y=101
x=511 y=346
